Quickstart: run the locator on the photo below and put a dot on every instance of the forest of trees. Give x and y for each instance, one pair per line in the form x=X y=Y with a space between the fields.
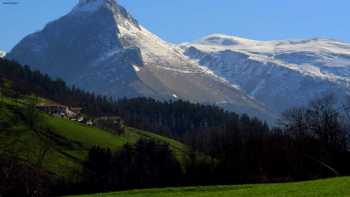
x=309 y=142
x=145 y=164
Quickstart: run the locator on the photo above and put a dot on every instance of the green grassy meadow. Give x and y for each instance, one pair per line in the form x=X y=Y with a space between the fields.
x=320 y=188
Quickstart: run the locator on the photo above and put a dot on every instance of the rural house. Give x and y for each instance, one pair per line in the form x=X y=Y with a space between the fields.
x=59 y=110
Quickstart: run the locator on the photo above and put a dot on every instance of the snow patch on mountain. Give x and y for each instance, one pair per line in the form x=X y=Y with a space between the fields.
x=225 y=40
x=217 y=42
x=314 y=57
x=136 y=68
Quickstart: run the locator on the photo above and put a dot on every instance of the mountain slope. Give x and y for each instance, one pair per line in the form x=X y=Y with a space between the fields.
x=99 y=47
x=281 y=74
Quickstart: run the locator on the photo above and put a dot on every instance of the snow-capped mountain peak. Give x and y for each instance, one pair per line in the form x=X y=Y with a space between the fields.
x=217 y=42
x=100 y=47
x=280 y=73
x=224 y=40
x=84 y=2
x=92 y=5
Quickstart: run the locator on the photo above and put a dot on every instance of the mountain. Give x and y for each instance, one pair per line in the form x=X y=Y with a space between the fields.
x=2 y=54
x=280 y=74
x=100 y=47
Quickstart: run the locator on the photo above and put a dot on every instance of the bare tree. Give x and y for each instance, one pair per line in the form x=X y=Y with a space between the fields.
x=326 y=121
x=294 y=121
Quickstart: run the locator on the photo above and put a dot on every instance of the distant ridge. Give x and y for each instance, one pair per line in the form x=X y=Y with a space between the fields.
x=281 y=73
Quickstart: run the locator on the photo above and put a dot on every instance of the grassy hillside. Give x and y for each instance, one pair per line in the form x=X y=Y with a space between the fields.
x=329 y=187
x=66 y=145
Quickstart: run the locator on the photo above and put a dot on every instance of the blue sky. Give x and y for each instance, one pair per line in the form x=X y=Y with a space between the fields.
x=188 y=20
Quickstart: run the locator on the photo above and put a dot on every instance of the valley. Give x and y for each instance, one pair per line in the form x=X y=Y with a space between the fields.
x=94 y=103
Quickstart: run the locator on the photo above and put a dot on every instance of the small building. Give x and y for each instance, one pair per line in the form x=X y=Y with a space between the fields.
x=60 y=110
x=81 y=119
x=90 y=123
x=76 y=110
x=114 y=124
x=52 y=108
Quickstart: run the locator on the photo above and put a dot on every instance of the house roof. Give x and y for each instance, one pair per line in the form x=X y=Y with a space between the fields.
x=49 y=105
